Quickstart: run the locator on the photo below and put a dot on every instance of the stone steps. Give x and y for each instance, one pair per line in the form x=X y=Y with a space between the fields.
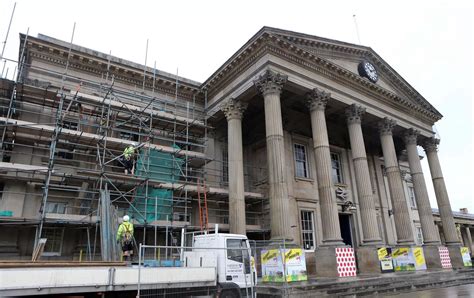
x=362 y=286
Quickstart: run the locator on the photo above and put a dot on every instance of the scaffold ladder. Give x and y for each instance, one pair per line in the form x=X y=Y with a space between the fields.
x=203 y=214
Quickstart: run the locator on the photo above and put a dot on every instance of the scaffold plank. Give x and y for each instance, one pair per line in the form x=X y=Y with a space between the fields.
x=20 y=167
x=95 y=137
x=155 y=113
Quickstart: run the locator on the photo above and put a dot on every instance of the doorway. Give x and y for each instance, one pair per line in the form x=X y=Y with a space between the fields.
x=346 y=228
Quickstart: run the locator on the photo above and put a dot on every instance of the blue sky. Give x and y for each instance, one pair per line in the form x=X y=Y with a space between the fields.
x=429 y=43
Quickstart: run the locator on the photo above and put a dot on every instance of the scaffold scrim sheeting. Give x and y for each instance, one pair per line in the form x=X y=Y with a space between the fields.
x=157 y=203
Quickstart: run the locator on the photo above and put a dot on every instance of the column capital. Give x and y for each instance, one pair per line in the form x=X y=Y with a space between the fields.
x=410 y=136
x=386 y=125
x=431 y=144
x=233 y=109
x=270 y=82
x=317 y=99
x=354 y=114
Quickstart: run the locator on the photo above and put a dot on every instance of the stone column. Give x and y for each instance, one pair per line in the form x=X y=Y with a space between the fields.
x=469 y=238
x=317 y=101
x=233 y=111
x=403 y=224
x=271 y=84
x=361 y=168
x=430 y=233
x=445 y=212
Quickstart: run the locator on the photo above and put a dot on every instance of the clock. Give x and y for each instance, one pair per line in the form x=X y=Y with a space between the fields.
x=367 y=70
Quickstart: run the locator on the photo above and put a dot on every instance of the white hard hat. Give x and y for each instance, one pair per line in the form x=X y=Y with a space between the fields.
x=134 y=144
x=126 y=218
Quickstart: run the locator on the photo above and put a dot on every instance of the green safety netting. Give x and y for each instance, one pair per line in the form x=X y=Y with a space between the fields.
x=157 y=203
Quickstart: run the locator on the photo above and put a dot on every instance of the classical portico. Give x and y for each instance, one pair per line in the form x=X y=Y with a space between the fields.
x=323 y=125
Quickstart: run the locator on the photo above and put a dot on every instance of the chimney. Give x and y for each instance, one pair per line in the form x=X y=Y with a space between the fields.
x=464 y=210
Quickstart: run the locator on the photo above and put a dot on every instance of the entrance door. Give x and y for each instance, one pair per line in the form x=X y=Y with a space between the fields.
x=346 y=228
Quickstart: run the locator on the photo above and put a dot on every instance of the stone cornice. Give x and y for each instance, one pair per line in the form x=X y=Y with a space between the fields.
x=97 y=66
x=346 y=49
x=281 y=47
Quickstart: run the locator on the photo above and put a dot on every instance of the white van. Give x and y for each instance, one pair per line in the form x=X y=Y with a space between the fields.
x=231 y=255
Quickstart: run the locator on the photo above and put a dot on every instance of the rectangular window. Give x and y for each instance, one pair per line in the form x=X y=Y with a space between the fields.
x=419 y=236
x=301 y=162
x=336 y=168
x=56 y=207
x=307 y=229
x=411 y=194
x=54 y=241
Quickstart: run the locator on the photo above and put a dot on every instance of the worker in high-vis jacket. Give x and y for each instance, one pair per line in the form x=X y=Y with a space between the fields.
x=125 y=238
x=129 y=159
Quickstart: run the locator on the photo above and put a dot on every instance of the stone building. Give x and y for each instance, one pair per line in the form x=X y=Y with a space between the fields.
x=295 y=137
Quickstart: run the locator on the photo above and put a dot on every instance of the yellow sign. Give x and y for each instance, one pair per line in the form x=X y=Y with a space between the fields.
x=272 y=253
x=382 y=252
x=293 y=253
x=419 y=257
x=400 y=251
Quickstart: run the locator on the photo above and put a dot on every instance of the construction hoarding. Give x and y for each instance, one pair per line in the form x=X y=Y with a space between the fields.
x=279 y=265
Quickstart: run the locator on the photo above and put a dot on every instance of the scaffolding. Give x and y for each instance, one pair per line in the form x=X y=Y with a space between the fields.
x=66 y=138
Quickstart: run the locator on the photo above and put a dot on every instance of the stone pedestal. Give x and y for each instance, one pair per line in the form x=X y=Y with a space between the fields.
x=432 y=258
x=455 y=256
x=325 y=262
x=368 y=260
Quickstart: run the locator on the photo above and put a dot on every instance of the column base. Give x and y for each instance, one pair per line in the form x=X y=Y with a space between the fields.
x=455 y=256
x=432 y=258
x=367 y=260
x=326 y=262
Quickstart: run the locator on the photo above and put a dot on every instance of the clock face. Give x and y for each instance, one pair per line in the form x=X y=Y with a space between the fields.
x=366 y=69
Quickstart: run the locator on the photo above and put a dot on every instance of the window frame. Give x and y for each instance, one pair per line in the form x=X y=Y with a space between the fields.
x=341 y=172
x=412 y=197
x=61 y=241
x=304 y=231
x=305 y=162
x=56 y=206
x=419 y=232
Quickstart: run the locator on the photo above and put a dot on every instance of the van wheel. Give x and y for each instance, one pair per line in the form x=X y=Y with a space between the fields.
x=229 y=294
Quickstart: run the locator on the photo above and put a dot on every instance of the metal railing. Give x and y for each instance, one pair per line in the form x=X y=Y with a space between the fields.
x=175 y=256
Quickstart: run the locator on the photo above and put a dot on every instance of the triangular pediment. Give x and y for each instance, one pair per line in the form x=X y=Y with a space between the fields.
x=347 y=56
x=339 y=59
